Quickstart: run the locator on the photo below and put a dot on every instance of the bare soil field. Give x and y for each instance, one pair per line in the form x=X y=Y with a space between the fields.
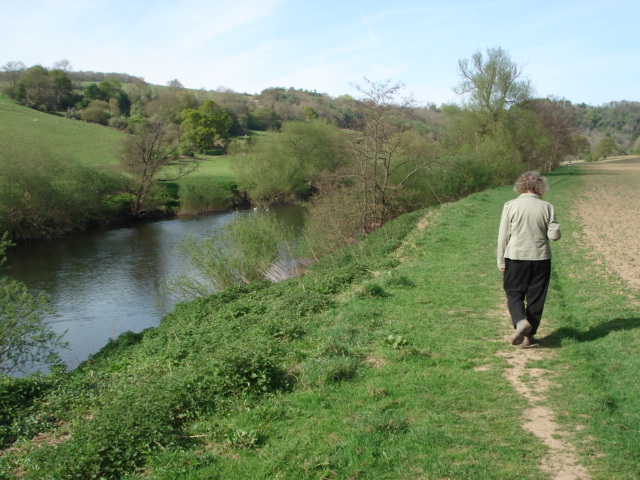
x=609 y=211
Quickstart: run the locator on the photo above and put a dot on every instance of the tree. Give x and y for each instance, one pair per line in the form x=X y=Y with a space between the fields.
x=492 y=83
x=64 y=65
x=25 y=337
x=580 y=146
x=110 y=91
x=171 y=102
x=147 y=153
x=62 y=89
x=203 y=127
x=556 y=117
x=605 y=148
x=265 y=118
x=383 y=163
x=309 y=113
x=285 y=165
x=35 y=88
x=13 y=70
x=498 y=128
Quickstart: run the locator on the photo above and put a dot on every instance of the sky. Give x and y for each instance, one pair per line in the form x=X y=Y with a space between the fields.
x=583 y=51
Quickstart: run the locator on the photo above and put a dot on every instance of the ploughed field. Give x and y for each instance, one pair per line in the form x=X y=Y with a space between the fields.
x=609 y=210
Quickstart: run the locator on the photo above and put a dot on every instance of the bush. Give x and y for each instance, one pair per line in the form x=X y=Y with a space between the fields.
x=25 y=338
x=117 y=439
x=44 y=195
x=200 y=194
x=19 y=416
x=243 y=253
x=96 y=112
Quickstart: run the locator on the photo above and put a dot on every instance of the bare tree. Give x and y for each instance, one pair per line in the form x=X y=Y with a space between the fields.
x=13 y=70
x=147 y=153
x=64 y=65
x=384 y=161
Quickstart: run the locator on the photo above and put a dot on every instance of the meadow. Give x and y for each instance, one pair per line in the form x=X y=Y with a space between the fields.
x=92 y=144
x=388 y=359
x=88 y=169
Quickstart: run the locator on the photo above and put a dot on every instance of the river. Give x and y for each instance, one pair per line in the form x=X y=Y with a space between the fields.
x=104 y=283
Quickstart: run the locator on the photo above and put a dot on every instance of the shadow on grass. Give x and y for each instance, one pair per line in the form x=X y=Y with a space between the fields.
x=582 y=170
x=554 y=340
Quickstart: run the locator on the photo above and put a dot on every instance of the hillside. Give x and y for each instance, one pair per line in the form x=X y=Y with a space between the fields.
x=388 y=360
x=87 y=142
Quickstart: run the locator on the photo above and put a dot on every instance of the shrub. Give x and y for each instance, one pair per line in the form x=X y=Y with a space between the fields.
x=44 y=195
x=19 y=416
x=25 y=338
x=373 y=290
x=243 y=253
x=96 y=112
x=200 y=194
x=118 y=438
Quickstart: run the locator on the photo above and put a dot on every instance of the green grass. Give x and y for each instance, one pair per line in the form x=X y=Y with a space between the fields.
x=214 y=166
x=381 y=363
x=92 y=144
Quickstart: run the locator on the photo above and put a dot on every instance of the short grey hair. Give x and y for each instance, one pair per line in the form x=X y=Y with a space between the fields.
x=531 y=182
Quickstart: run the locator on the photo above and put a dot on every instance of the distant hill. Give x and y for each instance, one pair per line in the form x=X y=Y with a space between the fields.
x=90 y=143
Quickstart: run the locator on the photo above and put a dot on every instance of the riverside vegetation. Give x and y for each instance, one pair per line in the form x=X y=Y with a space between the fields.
x=383 y=361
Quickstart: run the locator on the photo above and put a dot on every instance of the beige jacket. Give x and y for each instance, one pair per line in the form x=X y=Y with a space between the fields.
x=527 y=225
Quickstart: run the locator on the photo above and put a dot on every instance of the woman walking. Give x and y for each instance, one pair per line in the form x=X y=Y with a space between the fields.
x=527 y=225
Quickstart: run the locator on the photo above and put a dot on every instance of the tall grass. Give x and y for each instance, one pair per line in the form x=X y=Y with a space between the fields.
x=243 y=253
x=205 y=194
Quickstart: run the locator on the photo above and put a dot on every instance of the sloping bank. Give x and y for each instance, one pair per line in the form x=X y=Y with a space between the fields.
x=381 y=362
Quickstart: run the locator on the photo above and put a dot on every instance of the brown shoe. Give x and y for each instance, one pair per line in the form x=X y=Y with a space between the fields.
x=522 y=328
x=529 y=341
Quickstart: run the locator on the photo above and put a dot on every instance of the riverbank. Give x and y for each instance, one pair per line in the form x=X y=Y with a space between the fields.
x=388 y=360
x=104 y=283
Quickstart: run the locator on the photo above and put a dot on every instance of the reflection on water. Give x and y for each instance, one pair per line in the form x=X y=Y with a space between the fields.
x=105 y=283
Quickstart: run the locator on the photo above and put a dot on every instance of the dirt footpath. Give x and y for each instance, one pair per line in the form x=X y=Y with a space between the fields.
x=609 y=211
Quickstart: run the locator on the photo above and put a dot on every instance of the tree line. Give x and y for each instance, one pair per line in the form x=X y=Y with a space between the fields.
x=122 y=101
x=359 y=160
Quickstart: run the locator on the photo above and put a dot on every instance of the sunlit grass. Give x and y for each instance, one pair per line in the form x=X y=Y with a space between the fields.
x=89 y=143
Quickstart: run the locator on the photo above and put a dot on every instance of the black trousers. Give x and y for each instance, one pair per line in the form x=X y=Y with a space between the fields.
x=526 y=283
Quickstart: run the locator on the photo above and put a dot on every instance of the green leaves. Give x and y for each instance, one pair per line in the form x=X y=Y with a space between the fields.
x=25 y=337
x=204 y=126
x=243 y=253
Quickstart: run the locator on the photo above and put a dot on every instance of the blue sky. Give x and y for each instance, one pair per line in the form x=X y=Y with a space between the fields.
x=584 y=51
